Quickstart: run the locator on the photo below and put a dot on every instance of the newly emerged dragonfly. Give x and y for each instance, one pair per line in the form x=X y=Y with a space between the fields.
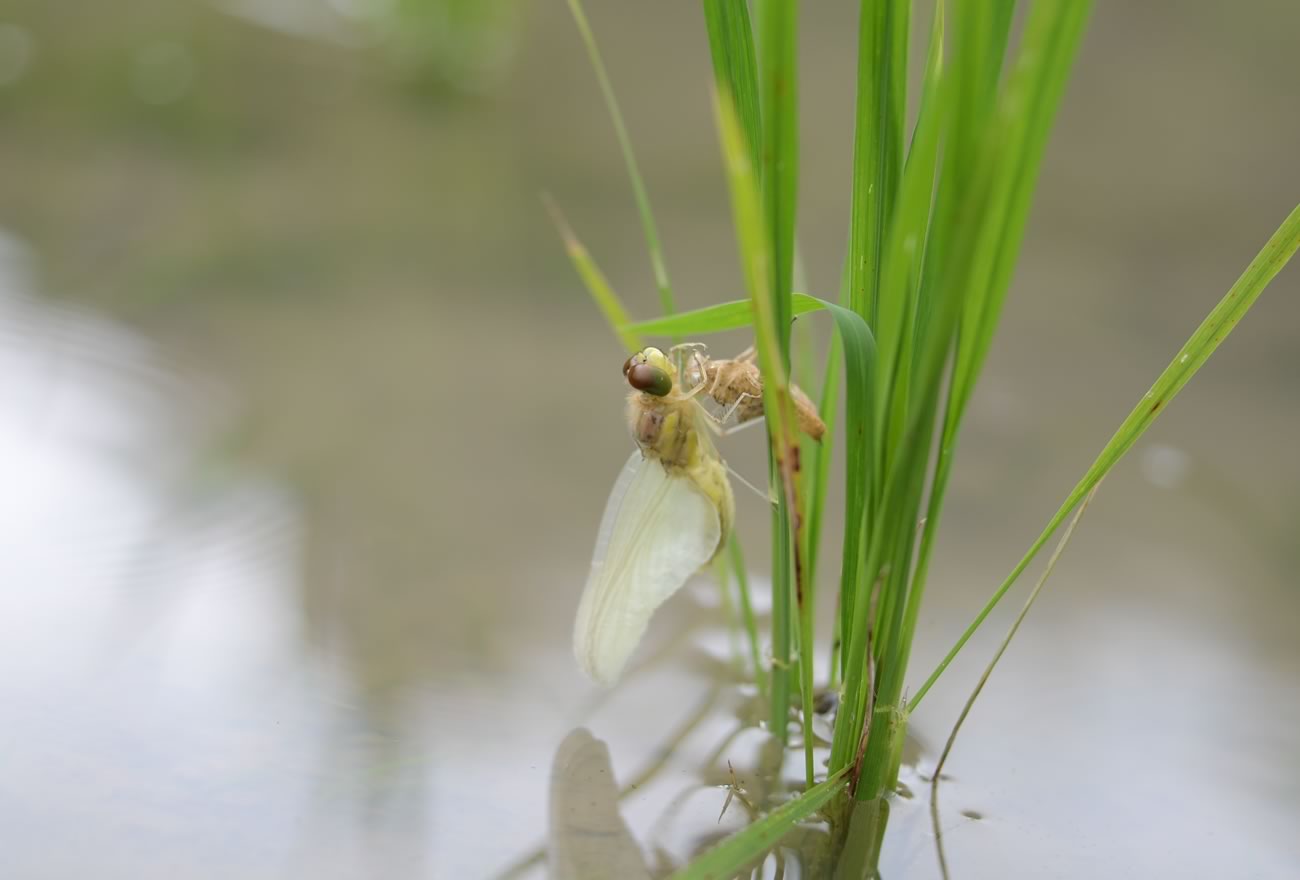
x=671 y=509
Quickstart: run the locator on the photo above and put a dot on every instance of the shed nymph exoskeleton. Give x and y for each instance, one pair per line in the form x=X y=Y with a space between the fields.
x=737 y=385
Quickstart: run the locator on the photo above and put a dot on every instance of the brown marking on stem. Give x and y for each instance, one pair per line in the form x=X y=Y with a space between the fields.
x=789 y=465
x=870 y=711
x=798 y=574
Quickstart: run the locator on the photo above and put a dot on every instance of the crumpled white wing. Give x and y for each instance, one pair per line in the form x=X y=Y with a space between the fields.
x=657 y=531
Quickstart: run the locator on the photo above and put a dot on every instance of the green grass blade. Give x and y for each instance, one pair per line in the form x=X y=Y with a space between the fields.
x=747 y=614
x=730 y=610
x=976 y=39
x=629 y=158
x=859 y=447
x=821 y=454
x=1015 y=140
x=806 y=601
x=755 y=258
x=897 y=471
x=714 y=319
x=1014 y=143
x=877 y=144
x=777 y=185
x=969 y=228
x=877 y=164
x=818 y=457
x=905 y=252
x=784 y=618
x=888 y=540
x=778 y=93
x=595 y=281
x=1216 y=327
x=937 y=774
x=747 y=846
x=778 y=409
x=731 y=43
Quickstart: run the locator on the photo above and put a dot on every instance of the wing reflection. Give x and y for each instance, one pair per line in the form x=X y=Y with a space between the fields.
x=588 y=838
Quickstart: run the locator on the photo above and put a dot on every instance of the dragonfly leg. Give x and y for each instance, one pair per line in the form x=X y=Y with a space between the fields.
x=698 y=361
x=731 y=410
x=693 y=350
x=735 y=429
x=717 y=424
x=766 y=496
x=717 y=377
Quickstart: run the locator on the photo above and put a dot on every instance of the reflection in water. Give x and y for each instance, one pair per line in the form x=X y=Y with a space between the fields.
x=588 y=838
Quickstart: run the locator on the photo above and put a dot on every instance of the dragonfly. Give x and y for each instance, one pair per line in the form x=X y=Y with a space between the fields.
x=672 y=506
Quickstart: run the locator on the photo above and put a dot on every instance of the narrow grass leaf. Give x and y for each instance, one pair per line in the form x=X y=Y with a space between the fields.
x=747 y=846
x=714 y=319
x=737 y=557
x=1216 y=327
x=788 y=524
x=778 y=94
x=731 y=43
x=995 y=142
x=821 y=454
x=648 y=225
x=595 y=281
x=877 y=143
x=904 y=252
x=777 y=184
x=937 y=774
x=1014 y=143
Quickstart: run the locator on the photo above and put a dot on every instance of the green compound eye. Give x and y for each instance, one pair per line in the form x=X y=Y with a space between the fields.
x=650 y=379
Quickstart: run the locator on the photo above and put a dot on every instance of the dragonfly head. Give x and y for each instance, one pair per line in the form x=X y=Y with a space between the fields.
x=650 y=371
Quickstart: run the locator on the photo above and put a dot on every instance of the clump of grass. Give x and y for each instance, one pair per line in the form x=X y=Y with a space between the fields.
x=938 y=215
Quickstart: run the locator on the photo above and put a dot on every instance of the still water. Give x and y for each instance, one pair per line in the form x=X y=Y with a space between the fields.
x=304 y=438
x=169 y=706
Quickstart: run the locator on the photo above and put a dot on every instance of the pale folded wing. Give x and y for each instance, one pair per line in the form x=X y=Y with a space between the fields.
x=658 y=530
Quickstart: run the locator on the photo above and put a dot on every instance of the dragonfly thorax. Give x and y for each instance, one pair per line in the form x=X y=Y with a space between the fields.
x=665 y=429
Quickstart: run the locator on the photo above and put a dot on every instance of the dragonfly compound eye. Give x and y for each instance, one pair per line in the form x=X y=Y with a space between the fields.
x=650 y=379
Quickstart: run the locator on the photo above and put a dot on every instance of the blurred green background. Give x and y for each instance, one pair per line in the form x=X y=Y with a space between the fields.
x=312 y=231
